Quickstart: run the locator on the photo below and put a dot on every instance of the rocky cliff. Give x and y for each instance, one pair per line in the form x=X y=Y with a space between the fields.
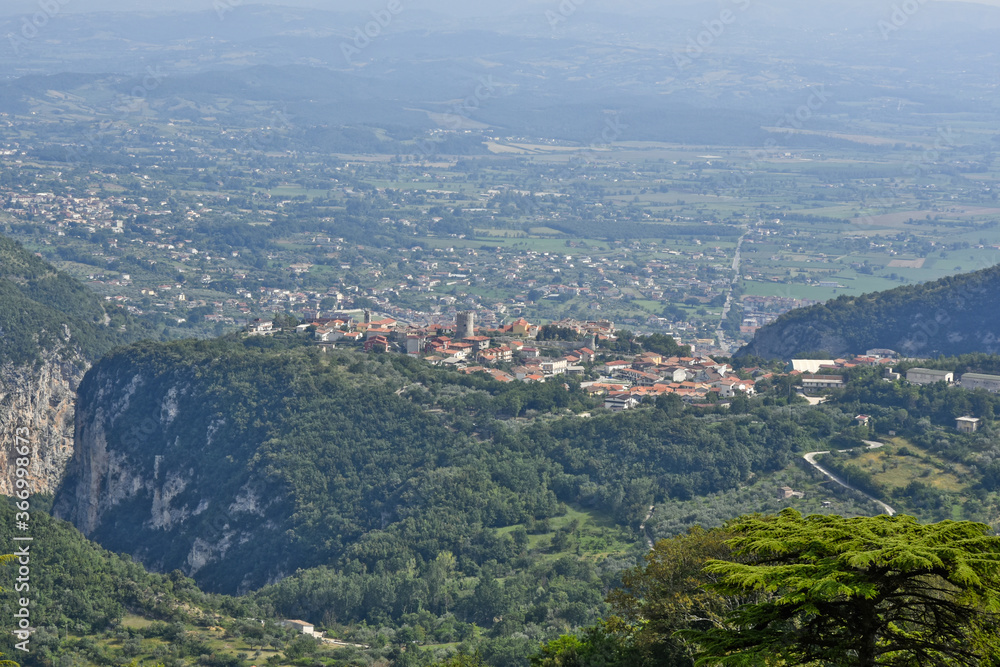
x=51 y=329
x=40 y=397
x=159 y=471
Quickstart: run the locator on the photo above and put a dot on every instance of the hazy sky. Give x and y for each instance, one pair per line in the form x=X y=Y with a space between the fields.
x=8 y=7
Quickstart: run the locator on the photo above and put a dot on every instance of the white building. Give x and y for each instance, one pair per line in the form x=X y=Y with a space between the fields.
x=301 y=626
x=967 y=424
x=990 y=383
x=816 y=382
x=928 y=376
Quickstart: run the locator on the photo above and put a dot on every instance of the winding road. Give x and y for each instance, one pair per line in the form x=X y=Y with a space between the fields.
x=811 y=460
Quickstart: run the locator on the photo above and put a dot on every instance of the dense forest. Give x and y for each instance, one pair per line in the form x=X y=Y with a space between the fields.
x=950 y=316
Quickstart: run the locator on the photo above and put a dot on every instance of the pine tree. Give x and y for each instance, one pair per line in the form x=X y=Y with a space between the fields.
x=863 y=591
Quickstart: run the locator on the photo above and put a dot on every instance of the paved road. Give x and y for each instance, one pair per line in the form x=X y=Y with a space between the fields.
x=720 y=334
x=811 y=460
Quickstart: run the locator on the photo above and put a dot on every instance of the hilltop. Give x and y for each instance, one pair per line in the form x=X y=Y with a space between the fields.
x=951 y=316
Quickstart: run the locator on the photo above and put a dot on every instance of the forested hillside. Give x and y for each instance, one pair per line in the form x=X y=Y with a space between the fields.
x=391 y=502
x=410 y=489
x=44 y=309
x=950 y=316
x=76 y=586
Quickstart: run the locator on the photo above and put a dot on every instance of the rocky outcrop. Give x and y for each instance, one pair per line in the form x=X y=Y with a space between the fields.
x=781 y=341
x=41 y=397
x=152 y=475
x=52 y=328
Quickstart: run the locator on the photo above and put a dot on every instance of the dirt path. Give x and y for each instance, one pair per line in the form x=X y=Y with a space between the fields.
x=642 y=526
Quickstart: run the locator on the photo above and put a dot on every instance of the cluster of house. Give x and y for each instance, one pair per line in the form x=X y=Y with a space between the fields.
x=59 y=209
x=624 y=383
x=534 y=368
x=652 y=374
x=457 y=344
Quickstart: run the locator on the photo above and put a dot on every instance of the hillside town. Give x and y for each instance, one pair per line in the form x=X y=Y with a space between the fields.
x=522 y=352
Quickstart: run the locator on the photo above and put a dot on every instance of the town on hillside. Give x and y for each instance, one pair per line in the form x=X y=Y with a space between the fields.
x=527 y=352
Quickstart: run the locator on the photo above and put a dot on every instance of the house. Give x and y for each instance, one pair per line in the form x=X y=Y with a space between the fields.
x=521 y=328
x=377 y=343
x=261 y=327
x=675 y=373
x=817 y=382
x=415 y=343
x=300 y=626
x=728 y=387
x=602 y=388
x=328 y=335
x=928 y=376
x=811 y=365
x=990 y=383
x=503 y=353
x=642 y=379
x=612 y=366
x=554 y=366
x=863 y=420
x=620 y=402
x=967 y=424
x=786 y=492
x=500 y=376
x=372 y=332
x=479 y=343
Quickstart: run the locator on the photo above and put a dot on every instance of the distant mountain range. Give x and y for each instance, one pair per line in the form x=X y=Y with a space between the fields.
x=560 y=78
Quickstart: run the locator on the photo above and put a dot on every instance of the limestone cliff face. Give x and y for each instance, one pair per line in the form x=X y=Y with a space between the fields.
x=781 y=340
x=40 y=397
x=153 y=474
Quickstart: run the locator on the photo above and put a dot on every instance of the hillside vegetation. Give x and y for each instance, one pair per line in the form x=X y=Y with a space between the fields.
x=406 y=488
x=42 y=308
x=951 y=316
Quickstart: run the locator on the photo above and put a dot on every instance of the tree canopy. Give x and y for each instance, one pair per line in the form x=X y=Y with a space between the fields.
x=860 y=591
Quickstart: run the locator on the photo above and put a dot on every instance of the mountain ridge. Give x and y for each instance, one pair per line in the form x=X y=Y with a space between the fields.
x=947 y=317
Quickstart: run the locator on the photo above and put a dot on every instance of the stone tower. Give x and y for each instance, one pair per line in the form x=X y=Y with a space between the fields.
x=465 y=324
